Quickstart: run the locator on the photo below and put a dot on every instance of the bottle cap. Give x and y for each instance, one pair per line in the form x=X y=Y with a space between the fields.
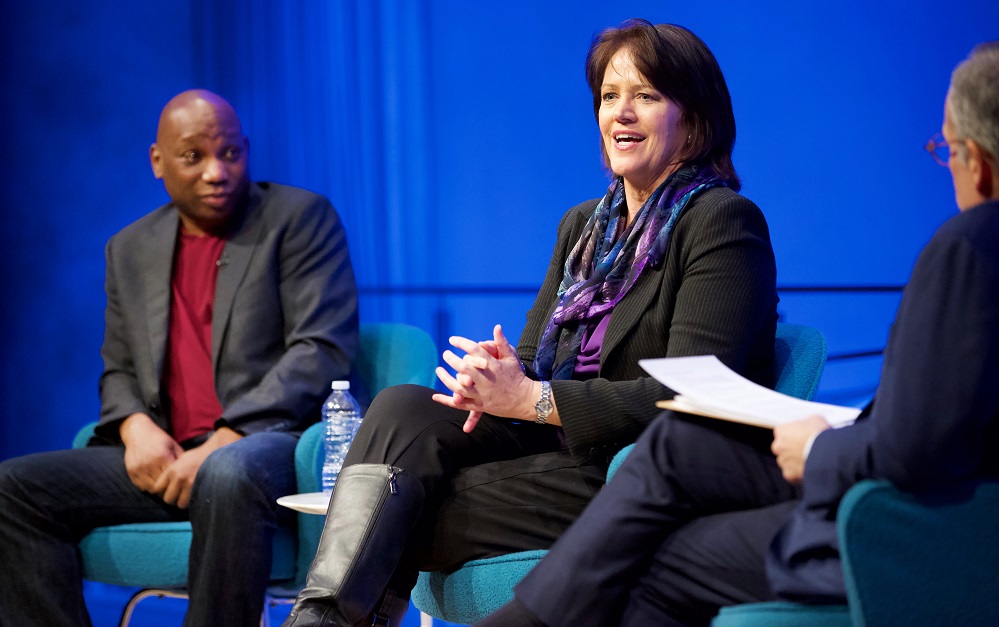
x=341 y=385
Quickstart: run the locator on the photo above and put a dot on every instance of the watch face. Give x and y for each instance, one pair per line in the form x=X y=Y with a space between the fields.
x=544 y=407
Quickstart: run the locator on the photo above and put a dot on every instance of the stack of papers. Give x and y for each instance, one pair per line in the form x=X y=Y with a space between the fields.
x=707 y=387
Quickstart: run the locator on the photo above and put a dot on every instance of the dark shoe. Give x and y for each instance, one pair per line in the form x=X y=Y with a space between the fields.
x=368 y=523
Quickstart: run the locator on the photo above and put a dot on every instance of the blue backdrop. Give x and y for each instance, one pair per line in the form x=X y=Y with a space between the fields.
x=452 y=136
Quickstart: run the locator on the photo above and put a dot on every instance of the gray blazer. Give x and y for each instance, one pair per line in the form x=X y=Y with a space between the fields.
x=285 y=319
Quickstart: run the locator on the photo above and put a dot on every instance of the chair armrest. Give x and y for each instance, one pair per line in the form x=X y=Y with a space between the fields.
x=308 y=459
x=618 y=460
x=308 y=467
x=84 y=434
x=920 y=559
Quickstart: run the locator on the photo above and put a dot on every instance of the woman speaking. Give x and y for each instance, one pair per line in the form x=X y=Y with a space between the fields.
x=671 y=261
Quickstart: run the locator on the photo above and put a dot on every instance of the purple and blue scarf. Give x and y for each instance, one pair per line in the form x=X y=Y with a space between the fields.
x=608 y=259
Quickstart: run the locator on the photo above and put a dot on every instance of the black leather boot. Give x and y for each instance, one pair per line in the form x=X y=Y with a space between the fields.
x=369 y=520
x=391 y=609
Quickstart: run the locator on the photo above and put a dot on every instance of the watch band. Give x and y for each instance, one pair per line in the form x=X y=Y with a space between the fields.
x=544 y=406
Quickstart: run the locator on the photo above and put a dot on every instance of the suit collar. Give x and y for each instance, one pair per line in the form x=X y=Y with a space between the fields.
x=629 y=311
x=155 y=260
x=236 y=256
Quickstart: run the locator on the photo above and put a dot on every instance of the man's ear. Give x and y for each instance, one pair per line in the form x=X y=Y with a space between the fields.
x=982 y=170
x=156 y=161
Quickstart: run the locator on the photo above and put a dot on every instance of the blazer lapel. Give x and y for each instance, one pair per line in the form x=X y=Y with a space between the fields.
x=629 y=311
x=235 y=260
x=156 y=261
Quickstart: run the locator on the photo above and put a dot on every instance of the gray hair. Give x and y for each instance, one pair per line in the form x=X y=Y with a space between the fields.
x=973 y=98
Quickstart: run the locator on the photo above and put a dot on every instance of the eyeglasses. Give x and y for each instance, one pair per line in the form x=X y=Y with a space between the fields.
x=939 y=149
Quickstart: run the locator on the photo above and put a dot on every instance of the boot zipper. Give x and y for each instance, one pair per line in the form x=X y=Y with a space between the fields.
x=393 y=487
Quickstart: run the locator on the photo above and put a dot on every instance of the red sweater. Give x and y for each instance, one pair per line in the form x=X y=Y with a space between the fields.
x=189 y=378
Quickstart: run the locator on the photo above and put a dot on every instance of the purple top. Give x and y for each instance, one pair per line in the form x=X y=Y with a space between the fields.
x=588 y=360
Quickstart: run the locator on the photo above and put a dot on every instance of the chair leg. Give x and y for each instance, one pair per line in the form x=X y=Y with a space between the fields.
x=126 y=614
x=265 y=617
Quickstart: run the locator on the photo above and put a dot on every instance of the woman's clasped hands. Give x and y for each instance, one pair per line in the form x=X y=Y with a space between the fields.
x=488 y=379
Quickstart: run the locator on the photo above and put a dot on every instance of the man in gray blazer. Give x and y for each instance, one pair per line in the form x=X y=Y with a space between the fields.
x=229 y=311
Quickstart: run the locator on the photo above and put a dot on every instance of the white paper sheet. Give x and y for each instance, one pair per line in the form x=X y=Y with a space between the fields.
x=705 y=386
x=308 y=503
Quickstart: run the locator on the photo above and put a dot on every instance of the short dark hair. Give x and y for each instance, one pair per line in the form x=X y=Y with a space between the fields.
x=681 y=67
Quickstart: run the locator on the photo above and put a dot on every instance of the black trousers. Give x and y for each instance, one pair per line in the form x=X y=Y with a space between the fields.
x=668 y=540
x=505 y=487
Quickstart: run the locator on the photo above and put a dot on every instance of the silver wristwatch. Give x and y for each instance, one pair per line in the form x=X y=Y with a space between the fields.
x=544 y=405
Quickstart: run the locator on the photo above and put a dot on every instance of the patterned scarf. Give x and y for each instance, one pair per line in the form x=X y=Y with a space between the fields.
x=608 y=259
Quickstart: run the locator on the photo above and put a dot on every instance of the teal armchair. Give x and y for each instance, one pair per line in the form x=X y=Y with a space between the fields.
x=927 y=559
x=482 y=586
x=153 y=556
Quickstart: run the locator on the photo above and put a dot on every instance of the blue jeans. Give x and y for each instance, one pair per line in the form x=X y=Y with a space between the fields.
x=49 y=501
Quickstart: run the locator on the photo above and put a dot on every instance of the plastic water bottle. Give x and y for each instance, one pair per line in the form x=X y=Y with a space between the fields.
x=342 y=416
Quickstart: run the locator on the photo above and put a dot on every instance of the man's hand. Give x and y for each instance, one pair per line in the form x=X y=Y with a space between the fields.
x=149 y=450
x=789 y=445
x=175 y=483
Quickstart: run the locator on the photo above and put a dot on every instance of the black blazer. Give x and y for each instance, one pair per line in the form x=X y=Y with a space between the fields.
x=713 y=293
x=284 y=323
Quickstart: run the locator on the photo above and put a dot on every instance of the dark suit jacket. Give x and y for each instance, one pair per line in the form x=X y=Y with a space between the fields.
x=935 y=420
x=284 y=323
x=713 y=293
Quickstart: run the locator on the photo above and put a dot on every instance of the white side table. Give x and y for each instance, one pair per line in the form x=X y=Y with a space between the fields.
x=307 y=503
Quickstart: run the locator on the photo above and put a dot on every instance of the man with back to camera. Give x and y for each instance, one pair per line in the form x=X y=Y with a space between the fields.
x=934 y=424
x=229 y=311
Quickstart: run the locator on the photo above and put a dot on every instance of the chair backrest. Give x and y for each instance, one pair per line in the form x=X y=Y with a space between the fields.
x=928 y=559
x=799 y=358
x=390 y=354
x=84 y=434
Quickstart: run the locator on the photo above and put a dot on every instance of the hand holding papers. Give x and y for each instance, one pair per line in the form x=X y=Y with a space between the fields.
x=706 y=387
